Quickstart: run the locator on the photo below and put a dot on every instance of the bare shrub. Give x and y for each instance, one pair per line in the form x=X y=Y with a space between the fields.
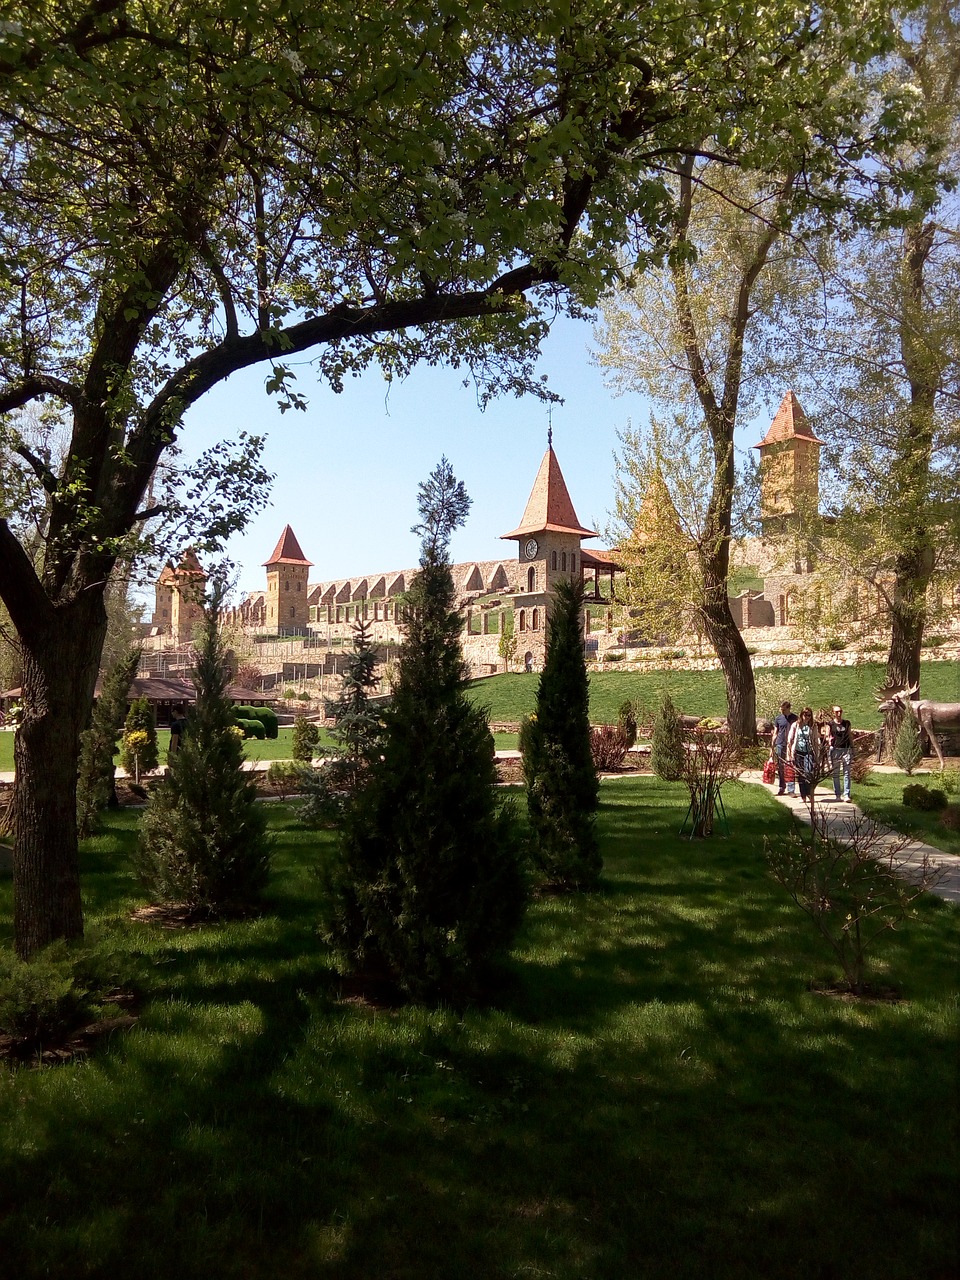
x=854 y=888
x=608 y=747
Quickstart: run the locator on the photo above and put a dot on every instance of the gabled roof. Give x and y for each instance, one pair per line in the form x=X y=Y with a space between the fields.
x=789 y=423
x=549 y=507
x=287 y=550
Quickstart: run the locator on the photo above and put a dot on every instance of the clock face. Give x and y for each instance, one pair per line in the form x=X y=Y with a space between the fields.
x=530 y=548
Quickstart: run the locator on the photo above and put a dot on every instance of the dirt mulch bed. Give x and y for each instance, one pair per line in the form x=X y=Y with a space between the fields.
x=76 y=1043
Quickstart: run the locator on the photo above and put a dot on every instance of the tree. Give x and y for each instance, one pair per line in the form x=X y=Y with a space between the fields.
x=562 y=786
x=237 y=189
x=306 y=735
x=667 y=750
x=203 y=842
x=428 y=889
x=879 y=361
x=138 y=747
x=356 y=733
x=95 y=784
x=692 y=334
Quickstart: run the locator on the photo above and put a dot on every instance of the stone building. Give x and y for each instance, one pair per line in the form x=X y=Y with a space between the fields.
x=179 y=594
x=515 y=594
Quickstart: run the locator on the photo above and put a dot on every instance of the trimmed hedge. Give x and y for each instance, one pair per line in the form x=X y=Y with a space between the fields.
x=252 y=728
x=265 y=715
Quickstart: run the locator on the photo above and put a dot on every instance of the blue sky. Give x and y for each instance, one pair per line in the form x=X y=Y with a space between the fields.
x=347 y=470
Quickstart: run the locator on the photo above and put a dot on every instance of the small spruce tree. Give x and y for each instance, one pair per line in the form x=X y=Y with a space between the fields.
x=96 y=790
x=305 y=737
x=427 y=890
x=356 y=734
x=907 y=750
x=138 y=747
x=202 y=839
x=562 y=786
x=667 y=754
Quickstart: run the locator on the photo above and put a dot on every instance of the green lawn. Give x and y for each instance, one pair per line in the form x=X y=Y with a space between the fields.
x=654 y=1093
x=509 y=697
x=881 y=797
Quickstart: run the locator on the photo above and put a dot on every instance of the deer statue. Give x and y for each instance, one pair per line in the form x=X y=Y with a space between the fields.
x=929 y=715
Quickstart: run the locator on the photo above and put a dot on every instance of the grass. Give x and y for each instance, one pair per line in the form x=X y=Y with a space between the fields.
x=881 y=797
x=510 y=697
x=655 y=1092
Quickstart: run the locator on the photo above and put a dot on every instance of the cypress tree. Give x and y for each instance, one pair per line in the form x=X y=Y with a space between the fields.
x=428 y=889
x=202 y=839
x=907 y=750
x=98 y=745
x=667 y=753
x=562 y=786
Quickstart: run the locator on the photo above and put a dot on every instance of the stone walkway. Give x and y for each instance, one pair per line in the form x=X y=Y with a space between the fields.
x=838 y=814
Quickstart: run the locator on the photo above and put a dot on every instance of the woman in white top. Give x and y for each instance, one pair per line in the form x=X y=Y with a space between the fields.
x=802 y=744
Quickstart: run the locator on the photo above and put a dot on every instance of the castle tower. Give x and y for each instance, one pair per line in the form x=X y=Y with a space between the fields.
x=548 y=537
x=179 y=598
x=287 y=608
x=789 y=469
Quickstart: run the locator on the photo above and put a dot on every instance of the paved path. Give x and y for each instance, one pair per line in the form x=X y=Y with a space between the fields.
x=838 y=814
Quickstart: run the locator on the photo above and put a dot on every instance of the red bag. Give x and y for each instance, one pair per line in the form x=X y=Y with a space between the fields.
x=789 y=773
x=770 y=771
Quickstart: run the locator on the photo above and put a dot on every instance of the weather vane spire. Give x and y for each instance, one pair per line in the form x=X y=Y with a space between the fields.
x=550 y=427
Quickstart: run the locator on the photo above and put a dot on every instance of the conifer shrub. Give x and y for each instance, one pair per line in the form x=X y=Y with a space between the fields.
x=907 y=750
x=558 y=767
x=138 y=746
x=285 y=777
x=627 y=722
x=427 y=890
x=667 y=753
x=202 y=839
x=306 y=735
x=356 y=734
x=96 y=790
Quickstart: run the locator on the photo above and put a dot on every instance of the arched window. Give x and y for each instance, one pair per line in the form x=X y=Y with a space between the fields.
x=573 y=561
x=286 y=585
x=531 y=579
x=553 y=560
x=563 y=562
x=522 y=620
x=293 y=612
x=535 y=620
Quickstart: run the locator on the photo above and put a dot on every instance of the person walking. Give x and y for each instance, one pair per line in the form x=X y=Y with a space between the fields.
x=778 y=745
x=841 y=752
x=802 y=749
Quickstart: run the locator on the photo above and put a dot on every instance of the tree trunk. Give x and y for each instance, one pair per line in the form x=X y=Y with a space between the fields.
x=737 y=669
x=59 y=675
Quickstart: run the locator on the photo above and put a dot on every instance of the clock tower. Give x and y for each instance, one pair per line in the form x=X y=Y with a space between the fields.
x=548 y=537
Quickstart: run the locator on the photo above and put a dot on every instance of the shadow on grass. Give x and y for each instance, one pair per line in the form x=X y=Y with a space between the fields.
x=657 y=1096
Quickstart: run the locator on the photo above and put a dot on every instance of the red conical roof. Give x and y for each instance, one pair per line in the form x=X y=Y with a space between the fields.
x=189 y=563
x=790 y=423
x=549 y=507
x=287 y=550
